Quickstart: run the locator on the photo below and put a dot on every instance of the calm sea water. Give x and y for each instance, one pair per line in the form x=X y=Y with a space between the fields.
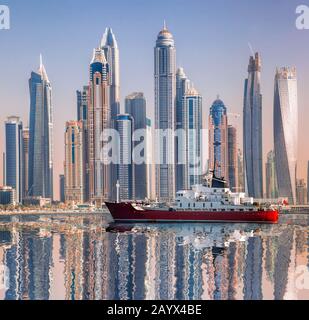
x=67 y=257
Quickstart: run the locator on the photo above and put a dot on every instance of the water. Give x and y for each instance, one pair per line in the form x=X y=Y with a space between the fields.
x=65 y=257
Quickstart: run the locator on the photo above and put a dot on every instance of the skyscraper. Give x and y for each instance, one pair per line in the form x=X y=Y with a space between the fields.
x=253 y=153
x=82 y=115
x=192 y=124
x=99 y=119
x=165 y=106
x=25 y=161
x=240 y=165
x=301 y=192
x=73 y=164
x=40 y=135
x=135 y=105
x=285 y=131
x=62 y=187
x=232 y=158
x=110 y=47
x=126 y=175
x=14 y=151
x=218 y=139
x=271 y=176
x=182 y=86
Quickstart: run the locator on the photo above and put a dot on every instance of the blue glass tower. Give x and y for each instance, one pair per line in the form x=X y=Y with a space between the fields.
x=14 y=163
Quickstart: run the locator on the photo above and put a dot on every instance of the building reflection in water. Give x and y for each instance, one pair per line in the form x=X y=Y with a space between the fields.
x=182 y=262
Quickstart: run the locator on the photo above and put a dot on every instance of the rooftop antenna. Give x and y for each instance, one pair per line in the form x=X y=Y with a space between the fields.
x=164 y=25
x=251 y=49
x=41 y=61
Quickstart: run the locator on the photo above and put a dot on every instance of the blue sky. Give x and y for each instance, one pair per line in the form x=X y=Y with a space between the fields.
x=211 y=38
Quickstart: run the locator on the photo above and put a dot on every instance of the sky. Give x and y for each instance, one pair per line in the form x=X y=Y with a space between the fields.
x=211 y=39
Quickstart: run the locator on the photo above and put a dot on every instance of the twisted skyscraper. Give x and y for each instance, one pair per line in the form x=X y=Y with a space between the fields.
x=253 y=154
x=40 y=135
x=165 y=107
x=286 y=131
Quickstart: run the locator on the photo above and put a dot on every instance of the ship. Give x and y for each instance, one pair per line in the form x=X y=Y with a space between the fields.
x=212 y=202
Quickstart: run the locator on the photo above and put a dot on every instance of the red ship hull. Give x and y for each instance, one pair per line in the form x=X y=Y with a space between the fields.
x=125 y=212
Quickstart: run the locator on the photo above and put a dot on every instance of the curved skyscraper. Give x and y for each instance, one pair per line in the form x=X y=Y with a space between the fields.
x=165 y=107
x=253 y=153
x=40 y=135
x=286 y=131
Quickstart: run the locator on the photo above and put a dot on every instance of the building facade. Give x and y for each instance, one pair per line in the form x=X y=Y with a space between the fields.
x=25 y=161
x=286 y=131
x=183 y=84
x=99 y=119
x=233 y=159
x=40 y=135
x=218 y=139
x=252 y=129
x=126 y=167
x=14 y=151
x=82 y=115
x=135 y=105
x=271 y=176
x=7 y=196
x=165 y=106
x=73 y=165
x=192 y=126
x=62 y=188
x=301 y=192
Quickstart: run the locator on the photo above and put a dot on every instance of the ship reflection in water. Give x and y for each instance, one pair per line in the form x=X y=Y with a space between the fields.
x=85 y=258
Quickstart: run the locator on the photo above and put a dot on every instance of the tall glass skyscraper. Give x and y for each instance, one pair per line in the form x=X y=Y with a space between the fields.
x=14 y=151
x=192 y=124
x=182 y=86
x=135 y=105
x=82 y=115
x=110 y=47
x=25 y=161
x=271 y=176
x=40 y=135
x=218 y=139
x=232 y=158
x=126 y=176
x=286 y=131
x=99 y=119
x=252 y=139
x=165 y=107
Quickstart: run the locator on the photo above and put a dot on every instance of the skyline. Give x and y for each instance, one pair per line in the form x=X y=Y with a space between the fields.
x=208 y=76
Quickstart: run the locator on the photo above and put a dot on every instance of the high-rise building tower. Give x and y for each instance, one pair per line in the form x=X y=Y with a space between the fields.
x=271 y=176
x=218 y=139
x=286 y=131
x=301 y=192
x=14 y=151
x=253 y=153
x=25 y=161
x=165 y=107
x=62 y=188
x=82 y=115
x=99 y=119
x=233 y=159
x=40 y=135
x=182 y=86
x=110 y=47
x=126 y=175
x=192 y=125
x=135 y=105
x=73 y=164
x=240 y=165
